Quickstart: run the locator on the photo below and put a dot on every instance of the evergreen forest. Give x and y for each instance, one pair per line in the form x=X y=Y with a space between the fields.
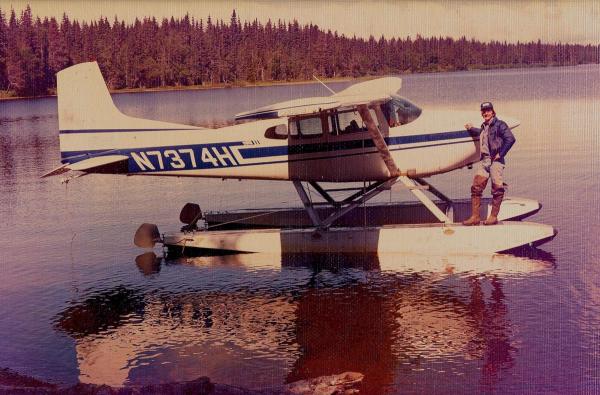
x=181 y=52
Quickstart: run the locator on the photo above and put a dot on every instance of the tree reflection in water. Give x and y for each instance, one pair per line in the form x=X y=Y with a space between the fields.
x=319 y=315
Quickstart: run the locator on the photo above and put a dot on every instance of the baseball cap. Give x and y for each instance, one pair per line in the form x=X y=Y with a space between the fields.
x=486 y=105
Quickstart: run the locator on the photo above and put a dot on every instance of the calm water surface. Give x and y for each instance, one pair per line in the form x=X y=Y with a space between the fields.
x=78 y=302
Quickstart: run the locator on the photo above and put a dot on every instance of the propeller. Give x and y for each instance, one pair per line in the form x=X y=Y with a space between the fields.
x=147 y=236
x=190 y=215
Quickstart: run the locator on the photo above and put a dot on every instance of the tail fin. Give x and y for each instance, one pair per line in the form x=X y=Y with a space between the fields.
x=91 y=125
x=83 y=99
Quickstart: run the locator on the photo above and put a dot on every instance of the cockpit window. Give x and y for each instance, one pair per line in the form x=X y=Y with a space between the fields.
x=349 y=122
x=306 y=127
x=310 y=126
x=400 y=111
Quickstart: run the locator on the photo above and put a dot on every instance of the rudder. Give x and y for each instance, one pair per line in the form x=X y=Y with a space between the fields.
x=83 y=99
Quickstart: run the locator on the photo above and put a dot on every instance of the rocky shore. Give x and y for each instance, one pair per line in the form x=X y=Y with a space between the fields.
x=339 y=384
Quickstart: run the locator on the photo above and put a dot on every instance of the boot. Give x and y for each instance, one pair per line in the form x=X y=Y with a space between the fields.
x=497 y=197
x=475 y=218
x=477 y=189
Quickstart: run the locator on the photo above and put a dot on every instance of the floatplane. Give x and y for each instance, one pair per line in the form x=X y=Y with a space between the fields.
x=365 y=134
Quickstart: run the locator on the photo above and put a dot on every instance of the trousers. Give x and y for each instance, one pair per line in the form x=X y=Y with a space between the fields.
x=488 y=169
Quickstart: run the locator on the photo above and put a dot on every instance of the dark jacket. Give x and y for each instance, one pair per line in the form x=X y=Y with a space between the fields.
x=500 y=138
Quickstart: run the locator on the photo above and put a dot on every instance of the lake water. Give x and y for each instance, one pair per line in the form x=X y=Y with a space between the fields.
x=78 y=304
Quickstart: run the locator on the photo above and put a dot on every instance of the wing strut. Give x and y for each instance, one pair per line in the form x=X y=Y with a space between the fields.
x=378 y=139
x=382 y=147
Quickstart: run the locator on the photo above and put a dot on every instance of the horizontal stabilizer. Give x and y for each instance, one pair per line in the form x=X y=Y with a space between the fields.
x=97 y=164
x=59 y=170
x=100 y=161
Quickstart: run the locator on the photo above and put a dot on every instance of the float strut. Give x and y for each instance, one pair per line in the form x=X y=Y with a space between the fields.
x=410 y=184
x=314 y=216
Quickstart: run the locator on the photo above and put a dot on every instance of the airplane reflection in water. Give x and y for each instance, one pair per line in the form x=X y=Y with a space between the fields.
x=527 y=261
x=304 y=320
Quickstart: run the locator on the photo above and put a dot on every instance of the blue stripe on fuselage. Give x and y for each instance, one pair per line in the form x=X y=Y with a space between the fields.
x=251 y=152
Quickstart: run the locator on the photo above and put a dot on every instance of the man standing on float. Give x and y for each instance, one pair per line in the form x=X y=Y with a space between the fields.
x=495 y=140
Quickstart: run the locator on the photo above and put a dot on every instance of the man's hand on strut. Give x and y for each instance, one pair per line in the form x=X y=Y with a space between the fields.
x=497 y=157
x=468 y=126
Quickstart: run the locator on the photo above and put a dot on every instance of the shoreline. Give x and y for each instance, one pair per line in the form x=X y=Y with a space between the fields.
x=246 y=84
x=204 y=87
x=342 y=383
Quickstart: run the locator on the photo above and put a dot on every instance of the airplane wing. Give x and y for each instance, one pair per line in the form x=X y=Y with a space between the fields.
x=96 y=164
x=362 y=93
x=307 y=105
x=369 y=91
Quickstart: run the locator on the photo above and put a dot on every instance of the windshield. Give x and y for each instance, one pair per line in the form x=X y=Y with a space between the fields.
x=400 y=111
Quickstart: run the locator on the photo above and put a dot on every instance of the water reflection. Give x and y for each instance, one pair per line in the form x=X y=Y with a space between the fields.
x=100 y=313
x=6 y=157
x=148 y=263
x=313 y=316
x=523 y=261
x=493 y=339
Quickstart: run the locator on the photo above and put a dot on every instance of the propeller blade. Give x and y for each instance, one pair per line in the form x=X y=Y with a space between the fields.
x=146 y=236
x=190 y=214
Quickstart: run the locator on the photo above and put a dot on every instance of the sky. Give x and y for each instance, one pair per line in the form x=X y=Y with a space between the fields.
x=565 y=21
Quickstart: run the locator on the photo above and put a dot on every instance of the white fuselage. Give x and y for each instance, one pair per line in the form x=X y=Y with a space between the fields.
x=436 y=142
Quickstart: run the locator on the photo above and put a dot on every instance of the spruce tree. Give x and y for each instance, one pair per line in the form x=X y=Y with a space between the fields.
x=3 y=52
